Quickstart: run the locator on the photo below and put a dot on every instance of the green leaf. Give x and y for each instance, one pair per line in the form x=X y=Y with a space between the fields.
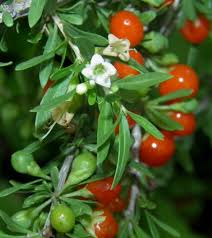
x=172 y=96
x=107 y=136
x=54 y=102
x=163 y=121
x=147 y=16
x=5 y=64
x=146 y=124
x=34 y=61
x=79 y=232
x=51 y=44
x=137 y=66
x=139 y=232
x=54 y=177
x=75 y=33
x=3 y=235
x=142 y=81
x=164 y=226
x=71 y=18
x=153 y=229
x=105 y=122
x=35 y=11
x=18 y=187
x=125 y=143
x=11 y=224
x=79 y=207
x=189 y=9
x=58 y=89
x=35 y=199
x=7 y=19
x=155 y=3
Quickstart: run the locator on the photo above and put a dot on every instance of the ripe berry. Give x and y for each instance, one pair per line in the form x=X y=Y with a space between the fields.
x=196 y=31
x=125 y=70
x=155 y=152
x=117 y=205
x=127 y=25
x=188 y=121
x=102 y=190
x=131 y=124
x=107 y=228
x=184 y=77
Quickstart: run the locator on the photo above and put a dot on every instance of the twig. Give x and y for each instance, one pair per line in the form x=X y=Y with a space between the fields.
x=47 y=232
x=170 y=20
x=18 y=8
x=136 y=133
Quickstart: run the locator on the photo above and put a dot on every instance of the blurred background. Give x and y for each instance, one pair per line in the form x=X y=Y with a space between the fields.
x=185 y=197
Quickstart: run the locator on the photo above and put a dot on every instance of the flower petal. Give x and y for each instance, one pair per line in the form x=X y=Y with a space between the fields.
x=97 y=59
x=112 y=39
x=109 y=51
x=111 y=70
x=103 y=80
x=87 y=72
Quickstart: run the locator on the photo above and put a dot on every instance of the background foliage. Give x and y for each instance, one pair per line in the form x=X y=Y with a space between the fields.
x=184 y=200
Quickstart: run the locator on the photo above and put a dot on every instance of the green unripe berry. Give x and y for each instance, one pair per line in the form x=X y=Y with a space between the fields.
x=83 y=167
x=23 y=162
x=24 y=218
x=62 y=218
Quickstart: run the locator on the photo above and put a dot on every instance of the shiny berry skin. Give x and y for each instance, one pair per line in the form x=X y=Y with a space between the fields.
x=62 y=218
x=188 y=121
x=102 y=190
x=125 y=70
x=127 y=25
x=108 y=228
x=117 y=205
x=196 y=32
x=131 y=124
x=155 y=152
x=184 y=77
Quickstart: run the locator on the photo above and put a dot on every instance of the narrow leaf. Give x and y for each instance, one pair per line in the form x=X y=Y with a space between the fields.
x=172 y=96
x=34 y=61
x=125 y=143
x=147 y=125
x=35 y=11
x=142 y=81
x=105 y=122
x=165 y=227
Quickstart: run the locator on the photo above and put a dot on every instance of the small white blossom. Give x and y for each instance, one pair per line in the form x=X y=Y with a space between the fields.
x=99 y=71
x=81 y=89
x=117 y=48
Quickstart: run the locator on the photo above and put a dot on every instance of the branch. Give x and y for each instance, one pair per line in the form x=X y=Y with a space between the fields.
x=136 y=133
x=18 y=8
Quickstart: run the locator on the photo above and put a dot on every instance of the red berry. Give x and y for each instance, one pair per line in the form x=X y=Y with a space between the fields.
x=108 y=228
x=47 y=86
x=117 y=205
x=155 y=152
x=102 y=190
x=168 y=2
x=184 y=77
x=196 y=31
x=131 y=124
x=188 y=121
x=127 y=25
x=125 y=70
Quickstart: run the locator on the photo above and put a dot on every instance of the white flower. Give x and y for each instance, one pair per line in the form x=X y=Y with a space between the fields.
x=117 y=48
x=81 y=89
x=99 y=71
